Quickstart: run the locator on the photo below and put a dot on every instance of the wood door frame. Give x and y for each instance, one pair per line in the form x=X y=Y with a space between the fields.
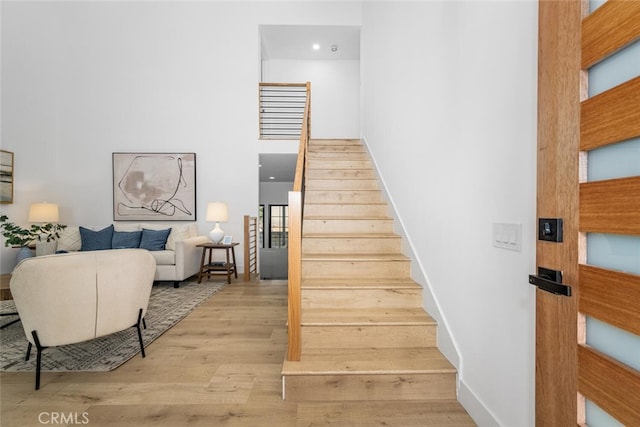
x=567 y=367
x=558 y=172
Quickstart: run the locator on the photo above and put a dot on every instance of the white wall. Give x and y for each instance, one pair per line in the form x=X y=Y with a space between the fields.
x=335 y=92
x=449 y=114
x=81 y=80
x=448 y=107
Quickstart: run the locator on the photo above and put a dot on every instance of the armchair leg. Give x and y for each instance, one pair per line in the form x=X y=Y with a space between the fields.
x=140 y=320
x=39 y=349
x=176 y=284
x=28 y=355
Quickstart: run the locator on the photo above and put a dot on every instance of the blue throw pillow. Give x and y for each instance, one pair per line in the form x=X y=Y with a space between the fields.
x=154 y=240
x=126 y=239
x=96 y=240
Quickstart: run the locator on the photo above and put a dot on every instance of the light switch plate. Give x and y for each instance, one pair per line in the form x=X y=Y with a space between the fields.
x=507 y=236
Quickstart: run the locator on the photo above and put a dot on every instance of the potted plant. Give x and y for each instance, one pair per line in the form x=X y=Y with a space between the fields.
x=17 y=236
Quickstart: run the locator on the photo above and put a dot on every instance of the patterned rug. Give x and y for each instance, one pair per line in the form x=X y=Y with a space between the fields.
x=167 y=307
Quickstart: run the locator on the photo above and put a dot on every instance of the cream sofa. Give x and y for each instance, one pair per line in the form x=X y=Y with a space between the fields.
x=178 y=261
x=74 y=297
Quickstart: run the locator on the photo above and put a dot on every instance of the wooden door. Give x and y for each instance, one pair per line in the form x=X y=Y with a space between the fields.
x=569 y=371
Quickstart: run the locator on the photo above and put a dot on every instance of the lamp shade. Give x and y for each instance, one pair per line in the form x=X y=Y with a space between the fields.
x=43 y=212
x=217 y=211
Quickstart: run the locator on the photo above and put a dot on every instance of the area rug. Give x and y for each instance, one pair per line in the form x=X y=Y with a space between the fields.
x=167 y=306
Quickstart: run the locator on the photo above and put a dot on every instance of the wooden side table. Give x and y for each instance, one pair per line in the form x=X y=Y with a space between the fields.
x=5 y=291
x=5 y=294
x=210 y=268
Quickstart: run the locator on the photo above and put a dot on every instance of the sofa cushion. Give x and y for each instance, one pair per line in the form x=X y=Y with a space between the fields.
x=126 y=239
x=69 y=240
x=164 y=257
x=96 y=240
x=154 y=240
x=178 y=234
x=126 y=226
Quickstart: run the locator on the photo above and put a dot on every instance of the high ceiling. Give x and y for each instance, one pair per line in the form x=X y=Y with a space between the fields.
x=296 y=42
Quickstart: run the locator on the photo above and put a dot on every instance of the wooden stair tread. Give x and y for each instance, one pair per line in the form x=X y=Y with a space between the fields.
x=355 y=257
x=377 y=361
x=350 y=235
x=347 y=218
x=351 y=202
x=409 y=413
x=365 y=283
x=317 y=143
x=366 y=317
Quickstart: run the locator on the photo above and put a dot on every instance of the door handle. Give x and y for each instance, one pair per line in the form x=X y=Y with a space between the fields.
x=550 y=281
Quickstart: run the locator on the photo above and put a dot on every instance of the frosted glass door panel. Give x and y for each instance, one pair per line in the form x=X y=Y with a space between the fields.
x=599 y=418
x=616 y=252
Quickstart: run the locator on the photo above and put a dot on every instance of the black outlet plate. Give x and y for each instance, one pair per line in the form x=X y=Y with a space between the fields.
x=550 y=229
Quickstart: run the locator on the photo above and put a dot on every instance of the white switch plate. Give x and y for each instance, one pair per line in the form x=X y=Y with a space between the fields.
x=507 y=236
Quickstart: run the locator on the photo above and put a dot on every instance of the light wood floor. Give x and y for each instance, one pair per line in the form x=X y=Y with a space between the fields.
x=220 y=366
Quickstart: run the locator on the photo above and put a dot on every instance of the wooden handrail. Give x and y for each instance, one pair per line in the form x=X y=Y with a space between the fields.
x=296 y=203
x=284 y=84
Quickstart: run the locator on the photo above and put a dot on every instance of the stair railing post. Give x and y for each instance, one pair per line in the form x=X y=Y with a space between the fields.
x=295 y=271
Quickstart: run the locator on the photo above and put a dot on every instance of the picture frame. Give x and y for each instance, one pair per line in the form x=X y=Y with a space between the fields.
x=227 y=240
x=6 y=176
x=154 y=186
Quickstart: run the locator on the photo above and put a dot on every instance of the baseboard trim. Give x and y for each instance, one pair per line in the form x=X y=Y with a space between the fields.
x=476 y=409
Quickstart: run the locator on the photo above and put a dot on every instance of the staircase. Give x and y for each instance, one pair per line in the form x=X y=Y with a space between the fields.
x=365 y=335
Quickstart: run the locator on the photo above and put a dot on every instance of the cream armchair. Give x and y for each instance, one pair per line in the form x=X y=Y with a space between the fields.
x=70 y=298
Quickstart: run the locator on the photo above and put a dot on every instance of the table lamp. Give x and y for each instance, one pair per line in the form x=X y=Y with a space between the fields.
x=216 y=211
x=43 y=212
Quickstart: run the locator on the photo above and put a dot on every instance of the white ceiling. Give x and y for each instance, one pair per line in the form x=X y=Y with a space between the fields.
x=282 y=167
x=295 y=42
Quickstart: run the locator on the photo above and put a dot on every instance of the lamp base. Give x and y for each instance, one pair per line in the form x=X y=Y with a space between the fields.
x=216 y=234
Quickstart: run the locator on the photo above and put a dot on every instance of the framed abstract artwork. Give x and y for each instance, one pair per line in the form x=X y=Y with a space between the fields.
x=154 y=186
x=6 y=176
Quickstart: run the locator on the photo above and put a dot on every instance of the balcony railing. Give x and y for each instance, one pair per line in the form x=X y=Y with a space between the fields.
x=282 y=108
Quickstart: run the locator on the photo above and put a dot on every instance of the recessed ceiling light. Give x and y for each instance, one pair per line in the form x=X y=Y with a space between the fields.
x=316 y=46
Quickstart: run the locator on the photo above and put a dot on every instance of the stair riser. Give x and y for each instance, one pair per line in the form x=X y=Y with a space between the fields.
x=342 y=210
x=339 y=173
x=368 y=336
x=341 y=184
x=348 y=226
x=335 y=142
x=338 y=164
x=361 y=298
x=342 y=155
x=354 y=269
x=369 y=245
x=336 y=149
x=369 y=387
x=336 y=196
